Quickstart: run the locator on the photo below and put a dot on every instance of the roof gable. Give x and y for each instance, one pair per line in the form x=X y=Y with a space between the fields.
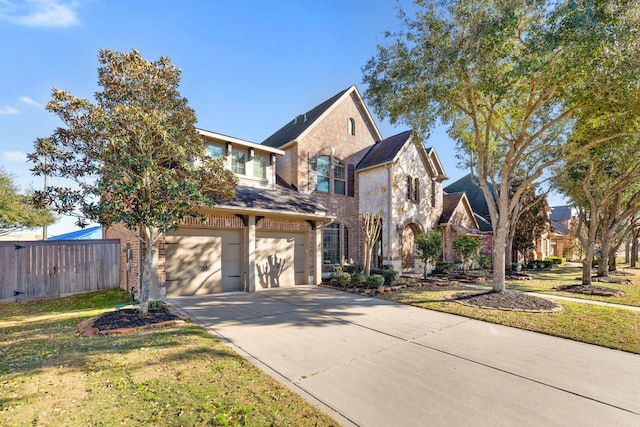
x=451 y=202
x=468 y=185
x=384 y=151
x=301 y=124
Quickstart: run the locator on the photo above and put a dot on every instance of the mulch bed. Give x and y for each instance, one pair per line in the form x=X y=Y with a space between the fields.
x=591 y=290
x=507 y=300
x=128 y=320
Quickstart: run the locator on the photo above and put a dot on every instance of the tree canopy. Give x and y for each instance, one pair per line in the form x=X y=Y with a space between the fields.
x=16 y=210
x=508 y=79
x=134 y=154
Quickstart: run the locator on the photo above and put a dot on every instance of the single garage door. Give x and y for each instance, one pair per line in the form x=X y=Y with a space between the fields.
x=280 y=259
x=200 y=261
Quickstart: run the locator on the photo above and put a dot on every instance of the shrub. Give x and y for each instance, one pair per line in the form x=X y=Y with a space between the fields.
x=547 y=263
x=388 y=273
x=516 y=266
x=557 y=259
x=442 y=267
x=352 y=268
x=375 y=281
x=342 y=279
x=485 y=262
x=358 y=279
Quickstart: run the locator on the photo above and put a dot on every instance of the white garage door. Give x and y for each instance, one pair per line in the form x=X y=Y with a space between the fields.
x=200 y=261
x=280 y=260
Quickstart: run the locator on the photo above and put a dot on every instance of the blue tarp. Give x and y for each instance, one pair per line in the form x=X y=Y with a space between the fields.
x=84 y=234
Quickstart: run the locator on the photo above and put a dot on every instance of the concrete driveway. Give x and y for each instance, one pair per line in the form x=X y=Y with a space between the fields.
x=370 y=362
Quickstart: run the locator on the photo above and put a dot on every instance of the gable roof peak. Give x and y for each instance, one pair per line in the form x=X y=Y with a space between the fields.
x=302 y=122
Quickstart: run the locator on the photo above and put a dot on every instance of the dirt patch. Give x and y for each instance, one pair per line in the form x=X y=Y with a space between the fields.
x=591 y=290
x=127 y=320
x=507 y=300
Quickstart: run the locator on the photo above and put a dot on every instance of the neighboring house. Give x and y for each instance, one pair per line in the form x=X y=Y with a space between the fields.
x=89 y=233
x=296 y=214
x=562 y=241
x=457 y=219
x=402 y=182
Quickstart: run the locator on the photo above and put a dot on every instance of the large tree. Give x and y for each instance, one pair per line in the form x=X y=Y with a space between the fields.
x=604 y=183
x=135 y=156
x=16 y=210
x=508 y=78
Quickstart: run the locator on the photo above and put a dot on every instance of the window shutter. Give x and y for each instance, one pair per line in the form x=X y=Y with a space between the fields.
x=312 y=175
x=351 y=180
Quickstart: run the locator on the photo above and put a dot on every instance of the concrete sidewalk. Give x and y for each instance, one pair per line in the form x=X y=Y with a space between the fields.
x=371 y=362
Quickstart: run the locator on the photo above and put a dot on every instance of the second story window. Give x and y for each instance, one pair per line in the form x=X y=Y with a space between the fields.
x=238 y=162
x=351 y=126
x=260 y=166
x=409 y=188
x=416 y=189
x=215 y=151
x=433 y=193
x=323 y=171
x=339 y=178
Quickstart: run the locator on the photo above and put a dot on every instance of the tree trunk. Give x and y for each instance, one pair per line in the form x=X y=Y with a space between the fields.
x=149 y=245
x=634 y=248
x=499 y=243
x=508 y=252
x=366 y=262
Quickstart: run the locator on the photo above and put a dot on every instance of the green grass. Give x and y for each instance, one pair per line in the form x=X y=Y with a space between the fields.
x=173 y=376
x=604 y=326
x=545 y=280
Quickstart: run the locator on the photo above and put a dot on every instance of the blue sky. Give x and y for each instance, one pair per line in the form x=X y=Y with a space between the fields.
x=248 y=66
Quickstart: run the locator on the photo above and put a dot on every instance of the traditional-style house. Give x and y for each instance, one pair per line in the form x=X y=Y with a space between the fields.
x=457 y=219
x=296 y=214
x=402 y=182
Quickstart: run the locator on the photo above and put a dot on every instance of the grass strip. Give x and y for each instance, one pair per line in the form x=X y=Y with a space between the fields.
x=174 y=376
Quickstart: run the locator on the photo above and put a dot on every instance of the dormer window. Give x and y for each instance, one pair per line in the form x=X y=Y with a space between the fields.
x=238 y=162
x=215 y=151
x=260 y=166
x=351 y=126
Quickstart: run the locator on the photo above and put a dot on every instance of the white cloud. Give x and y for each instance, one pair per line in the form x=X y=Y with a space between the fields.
x=28 y=101
x=40 y=13
x=8 y=110
x=14 y=156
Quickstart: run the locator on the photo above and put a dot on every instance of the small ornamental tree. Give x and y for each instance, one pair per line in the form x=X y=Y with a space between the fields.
x=428 y=247
x=16 y=210
x=468 y=249
x=135 y=156
x=371 y=226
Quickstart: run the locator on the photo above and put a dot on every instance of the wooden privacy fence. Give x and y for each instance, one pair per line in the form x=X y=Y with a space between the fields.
x=39 y=269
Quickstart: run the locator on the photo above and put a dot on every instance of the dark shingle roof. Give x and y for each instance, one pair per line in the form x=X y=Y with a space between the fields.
x=281 y=199
x=474 y=194
x=559 y=228
x=384 y=151
x=560 y=213
x=449 y=204
x=297 y=126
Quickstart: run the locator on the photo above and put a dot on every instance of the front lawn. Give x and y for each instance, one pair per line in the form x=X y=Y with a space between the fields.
x=174 y=376
x=604 y=326
x=545 y=280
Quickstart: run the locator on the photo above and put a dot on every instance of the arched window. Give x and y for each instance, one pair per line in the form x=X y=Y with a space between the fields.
x=339 y=178
x=351 y=126
x=433 y=193
x=416 y=189
x=409 y=187
x=323 y=173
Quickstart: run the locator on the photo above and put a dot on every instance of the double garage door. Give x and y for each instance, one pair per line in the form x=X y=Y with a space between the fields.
x=202 y=261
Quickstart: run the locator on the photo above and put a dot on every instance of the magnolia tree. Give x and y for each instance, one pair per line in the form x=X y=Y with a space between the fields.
x=429 y=248
x=508 y=78
x=134 y=154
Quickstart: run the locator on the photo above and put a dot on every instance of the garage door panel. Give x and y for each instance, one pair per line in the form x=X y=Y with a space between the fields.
x=280 y=260
x=199 y=261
